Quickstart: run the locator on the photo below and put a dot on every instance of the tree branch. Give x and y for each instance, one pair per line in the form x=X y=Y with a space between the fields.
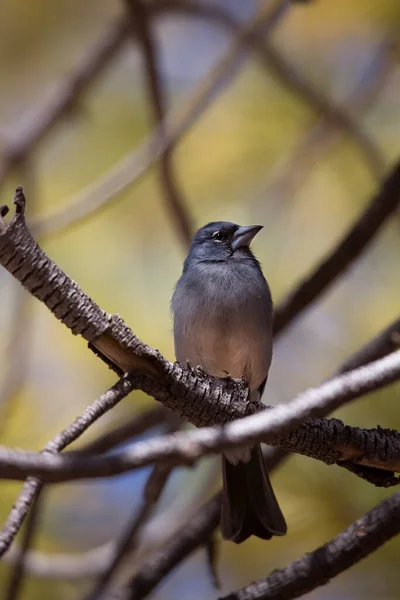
x=16 y=579
x=328 y=440
x=109 y=336
x=313 y=570
x=128 y=542
x=139 y=18
x=93 y=562
x=167 y=382
x=286 y=74
x=33 y=486
x=385 y=342
x=382 y=206
x=193 y=533
x=154 y=569
x=120 y=434
x=65 y=99
x=134 y=165
x=191 y=536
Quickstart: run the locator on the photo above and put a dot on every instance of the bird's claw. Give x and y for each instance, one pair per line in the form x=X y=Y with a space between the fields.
x=238 y=381
x=199 y=370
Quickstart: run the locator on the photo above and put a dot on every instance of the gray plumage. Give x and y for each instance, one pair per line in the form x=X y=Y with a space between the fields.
x=222 y=312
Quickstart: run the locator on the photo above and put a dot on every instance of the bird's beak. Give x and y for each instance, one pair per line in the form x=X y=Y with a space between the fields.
x=244 y=235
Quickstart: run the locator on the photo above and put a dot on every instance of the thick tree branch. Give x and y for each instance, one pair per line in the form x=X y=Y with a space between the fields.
x=313 y=570
x=175 y=550
x=328 y=440
x=20 y=254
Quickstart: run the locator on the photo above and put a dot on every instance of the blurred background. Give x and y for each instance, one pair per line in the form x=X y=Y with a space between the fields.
x=267 y=151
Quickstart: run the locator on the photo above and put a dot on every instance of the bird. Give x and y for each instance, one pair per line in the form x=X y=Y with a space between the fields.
x=223 y=319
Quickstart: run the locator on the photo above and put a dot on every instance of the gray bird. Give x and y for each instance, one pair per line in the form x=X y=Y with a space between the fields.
x=222 y=310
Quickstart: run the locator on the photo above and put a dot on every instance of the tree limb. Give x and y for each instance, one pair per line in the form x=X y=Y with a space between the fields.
x=385 y=342
x=33 y=486
x=286 y=74
x=328 y=440
x=134 y=165
x=141 y=26
x=382 y=206
x=109 y=336
x=313 y=570
x=128 y=542
x=193 y=533
x=65 y=99
x=120 y=434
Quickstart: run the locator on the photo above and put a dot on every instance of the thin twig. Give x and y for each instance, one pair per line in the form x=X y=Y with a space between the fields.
x=140 y=20
x=65 y=99
x=287 y=75
x=385 y=342
x=120 y=434
x=292 y=173
x=33 y=486
x=128 y=542
x=104 y=443
x=93 y=562
x=14 y=587
x=194 y=533
x=349 y=248
x=99 y=194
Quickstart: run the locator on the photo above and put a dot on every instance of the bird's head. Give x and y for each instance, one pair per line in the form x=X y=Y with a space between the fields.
x=220 y=241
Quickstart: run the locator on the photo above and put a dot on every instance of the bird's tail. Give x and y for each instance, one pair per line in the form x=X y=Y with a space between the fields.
x=249 y=506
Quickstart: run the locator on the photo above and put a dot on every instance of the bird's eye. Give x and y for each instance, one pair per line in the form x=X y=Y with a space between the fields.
x=217 y=235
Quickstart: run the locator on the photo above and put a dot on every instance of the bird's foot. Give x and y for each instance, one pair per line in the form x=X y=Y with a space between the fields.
x=240 y=381
x=198 y=370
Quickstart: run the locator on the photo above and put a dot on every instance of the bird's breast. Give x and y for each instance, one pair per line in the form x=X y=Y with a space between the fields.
x=224 y=324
